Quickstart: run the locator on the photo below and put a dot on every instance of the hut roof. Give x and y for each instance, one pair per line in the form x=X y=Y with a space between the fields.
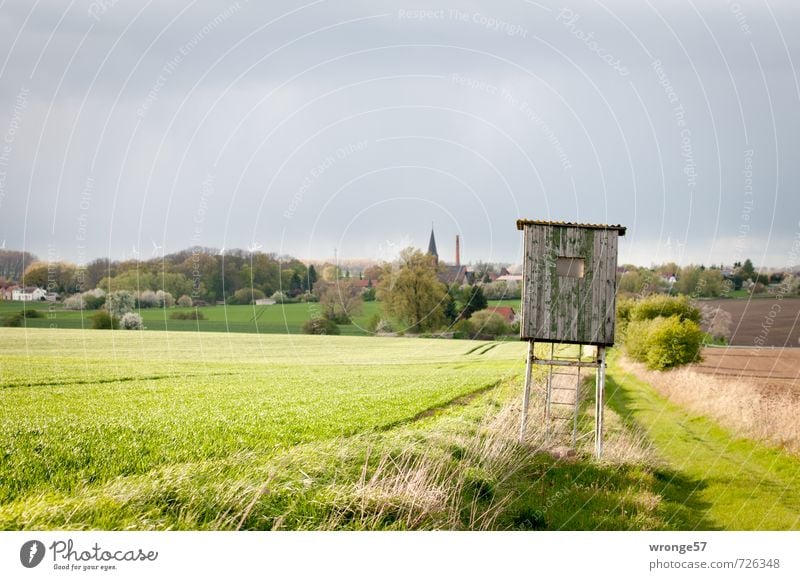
x=521 y=223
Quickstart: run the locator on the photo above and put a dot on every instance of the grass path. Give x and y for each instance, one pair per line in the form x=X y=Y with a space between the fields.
x=738 y=484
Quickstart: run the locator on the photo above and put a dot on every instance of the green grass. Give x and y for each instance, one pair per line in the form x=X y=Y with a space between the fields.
x=163 y=430
x=79 y=408
x=126 y=430
x=739 y=484
x=274 y=319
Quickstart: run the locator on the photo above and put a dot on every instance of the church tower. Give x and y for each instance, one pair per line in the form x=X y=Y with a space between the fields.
x=432 y=247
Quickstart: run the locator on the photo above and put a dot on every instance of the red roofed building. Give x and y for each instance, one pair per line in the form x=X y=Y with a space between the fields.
x=506 y=312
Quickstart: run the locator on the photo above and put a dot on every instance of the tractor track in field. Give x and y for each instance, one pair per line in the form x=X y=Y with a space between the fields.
x=460 y=401
x=109 y=381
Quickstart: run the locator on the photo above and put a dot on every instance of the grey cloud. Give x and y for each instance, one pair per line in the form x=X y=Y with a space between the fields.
x=468 y=119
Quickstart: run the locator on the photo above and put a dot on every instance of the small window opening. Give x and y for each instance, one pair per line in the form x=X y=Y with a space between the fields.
x=569 y=267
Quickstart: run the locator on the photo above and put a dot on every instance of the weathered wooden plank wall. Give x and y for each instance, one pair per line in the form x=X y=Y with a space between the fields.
x=564 y=308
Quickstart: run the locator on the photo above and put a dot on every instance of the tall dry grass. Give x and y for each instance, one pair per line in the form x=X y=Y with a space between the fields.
x=431 y=488
x=742 y=406
x=426 y=488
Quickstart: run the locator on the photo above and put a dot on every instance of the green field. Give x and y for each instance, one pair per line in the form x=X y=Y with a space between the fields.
x=81 y=408
x=274 y=319
x=162 y=430
x=176 y=430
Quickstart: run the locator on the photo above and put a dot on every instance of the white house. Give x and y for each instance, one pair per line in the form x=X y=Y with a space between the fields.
x=7 y=293
x=30 y=294
x=509 y=278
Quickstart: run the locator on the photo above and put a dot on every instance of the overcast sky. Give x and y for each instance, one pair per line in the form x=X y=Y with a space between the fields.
x=300 y=128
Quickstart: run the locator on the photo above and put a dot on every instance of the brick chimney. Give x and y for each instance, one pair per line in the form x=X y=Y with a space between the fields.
x=458 y=251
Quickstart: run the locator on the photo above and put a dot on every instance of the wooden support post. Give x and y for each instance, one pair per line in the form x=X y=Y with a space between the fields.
x=577 y=409
x=526 y=397
x=548 y=394
x=599 y=401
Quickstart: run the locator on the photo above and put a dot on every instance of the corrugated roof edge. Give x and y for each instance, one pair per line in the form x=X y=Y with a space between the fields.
x=522 y=223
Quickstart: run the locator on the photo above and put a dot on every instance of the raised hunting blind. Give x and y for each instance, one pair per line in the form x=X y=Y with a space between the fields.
x=568 y=298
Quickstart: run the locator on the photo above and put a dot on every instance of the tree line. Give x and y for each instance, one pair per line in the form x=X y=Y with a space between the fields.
x=696 y=281
x=204 y=274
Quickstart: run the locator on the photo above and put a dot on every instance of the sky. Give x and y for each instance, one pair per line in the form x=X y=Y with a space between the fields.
x=349 y=128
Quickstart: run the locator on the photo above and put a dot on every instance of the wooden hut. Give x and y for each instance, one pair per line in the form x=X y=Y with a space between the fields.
x=569 y=285
x=569 y=282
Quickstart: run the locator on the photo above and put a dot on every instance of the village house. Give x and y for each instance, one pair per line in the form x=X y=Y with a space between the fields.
x=365 y=284
x=29 y=294
x=509 y=278
x=506 y=312
x=7 y=293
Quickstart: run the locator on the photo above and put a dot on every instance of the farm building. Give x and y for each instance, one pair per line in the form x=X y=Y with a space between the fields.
x=30 y=294
x=506 y=312
x=569 y=282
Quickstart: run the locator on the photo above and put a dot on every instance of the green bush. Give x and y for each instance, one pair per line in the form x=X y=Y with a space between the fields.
x=187 y=315
x=18 y=319
x=320 y=325
x=674 y=342
x=246 y=296
x=92 y=302
x=463 y=329
x=489 y=323
x=15 y=320
x=104 y=320
x=624 y=308
x=652 y=307
x=373 y=322
x=637 y=337
x=663 y=343
x=661 y=305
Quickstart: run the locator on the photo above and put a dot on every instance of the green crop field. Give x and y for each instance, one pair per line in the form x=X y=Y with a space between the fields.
x=105 y=429
x=80 y=409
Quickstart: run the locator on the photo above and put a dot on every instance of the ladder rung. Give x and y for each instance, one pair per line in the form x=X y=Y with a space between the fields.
x=563 y=389
x=565 y=403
